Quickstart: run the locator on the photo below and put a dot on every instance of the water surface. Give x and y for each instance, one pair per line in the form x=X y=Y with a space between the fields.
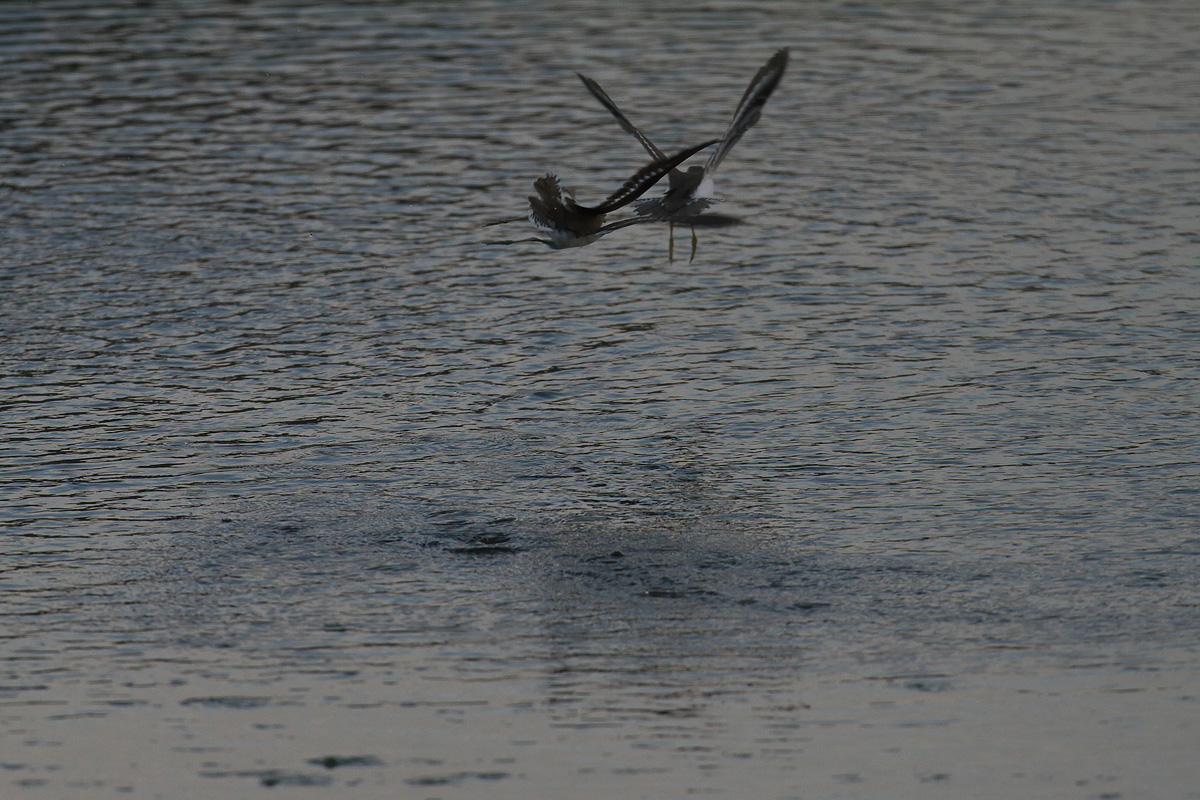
x=891 y=492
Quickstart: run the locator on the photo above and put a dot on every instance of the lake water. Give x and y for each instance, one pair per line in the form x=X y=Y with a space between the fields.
x=893 y=492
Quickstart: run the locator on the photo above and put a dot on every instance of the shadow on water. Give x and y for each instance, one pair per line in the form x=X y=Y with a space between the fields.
x=685 y=599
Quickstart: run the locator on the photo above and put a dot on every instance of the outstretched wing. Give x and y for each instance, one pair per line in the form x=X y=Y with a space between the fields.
x=621 y=223
x=626 y=125
x=504 y=221
x=644 y=178
x=750 y=107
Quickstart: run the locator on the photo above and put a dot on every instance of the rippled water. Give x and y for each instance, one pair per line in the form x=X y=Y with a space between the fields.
x=893 y=491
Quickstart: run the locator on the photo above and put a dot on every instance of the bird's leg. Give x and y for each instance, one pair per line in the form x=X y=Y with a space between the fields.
x=693 y=258
x=671 y=243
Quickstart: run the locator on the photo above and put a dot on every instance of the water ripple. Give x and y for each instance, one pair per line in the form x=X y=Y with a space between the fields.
x=262 y=381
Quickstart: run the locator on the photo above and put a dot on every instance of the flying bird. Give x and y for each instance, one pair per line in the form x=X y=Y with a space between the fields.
x=690 y=193
x=566 y=223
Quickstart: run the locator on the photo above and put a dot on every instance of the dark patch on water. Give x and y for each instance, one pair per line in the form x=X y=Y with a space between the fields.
x=229 y=701
x=457 y=777
x=333 y=762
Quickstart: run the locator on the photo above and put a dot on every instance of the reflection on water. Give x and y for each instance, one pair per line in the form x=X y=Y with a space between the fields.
x=893 y=486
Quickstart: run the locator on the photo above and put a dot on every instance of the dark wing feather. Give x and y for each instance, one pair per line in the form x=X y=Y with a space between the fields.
x=504 y=221
x=548 y=199
x=750 y=107
x=644 y=178
x=626 y=125
x=622 y=223
x=550 y=189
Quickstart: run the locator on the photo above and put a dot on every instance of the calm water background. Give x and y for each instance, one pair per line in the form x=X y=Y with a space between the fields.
x=893 y=492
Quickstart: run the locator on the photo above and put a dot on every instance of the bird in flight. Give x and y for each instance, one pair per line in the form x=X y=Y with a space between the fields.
x=566 y=223
x=691 y=192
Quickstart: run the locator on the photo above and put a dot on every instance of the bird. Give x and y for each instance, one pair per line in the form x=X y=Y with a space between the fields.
x=566 y=223
x=690 y=193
